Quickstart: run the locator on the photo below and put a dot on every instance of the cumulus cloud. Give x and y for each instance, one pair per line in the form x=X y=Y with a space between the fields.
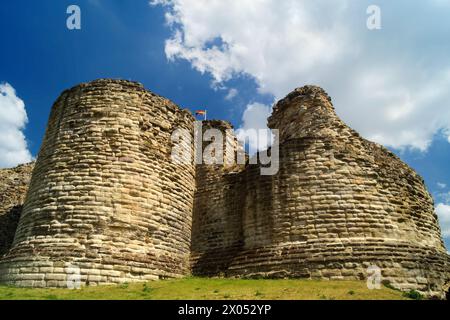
x=446 y=132
x=13 y=118
x=254 y=127
x=443 y=197
x=390 y=84
x=443 y=212
x=232 y=93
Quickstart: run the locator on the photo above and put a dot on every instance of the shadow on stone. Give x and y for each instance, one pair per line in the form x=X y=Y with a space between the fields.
x=8 y=226
x=214 y=263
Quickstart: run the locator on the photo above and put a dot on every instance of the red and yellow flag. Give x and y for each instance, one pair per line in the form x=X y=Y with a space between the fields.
x=201 y=113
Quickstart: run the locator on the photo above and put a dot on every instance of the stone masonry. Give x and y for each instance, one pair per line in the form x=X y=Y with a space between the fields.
x=106 y=198
x=338 y=205
x=13 y=188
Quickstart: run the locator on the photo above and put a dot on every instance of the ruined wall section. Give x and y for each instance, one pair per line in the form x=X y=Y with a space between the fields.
x=105 y=196
x=338 y=205
x=217 y=217
x=329 y=168
x=106 y=199
x=13 y=188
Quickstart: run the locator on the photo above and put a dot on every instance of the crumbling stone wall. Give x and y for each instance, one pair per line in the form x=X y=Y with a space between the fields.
x=13 y=188
x=338 y=205
x=104 y=196
x=217 y=219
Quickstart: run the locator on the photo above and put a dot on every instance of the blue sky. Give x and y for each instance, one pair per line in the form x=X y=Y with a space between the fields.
x=40 y=57
x=389 y=84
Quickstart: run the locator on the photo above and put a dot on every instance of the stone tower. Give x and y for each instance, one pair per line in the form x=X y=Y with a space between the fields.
x=339 y=208
x=107 y=202
x=105 y=198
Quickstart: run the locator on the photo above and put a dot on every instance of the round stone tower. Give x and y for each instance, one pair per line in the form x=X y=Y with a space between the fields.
x=105 y=204
x=340 y=207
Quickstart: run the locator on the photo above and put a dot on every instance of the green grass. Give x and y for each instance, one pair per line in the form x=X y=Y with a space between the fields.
x=212 y=289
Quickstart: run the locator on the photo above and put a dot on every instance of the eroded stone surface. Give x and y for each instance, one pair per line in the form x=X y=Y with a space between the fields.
x=13 y=189
x=106 y=198
x=338 y=205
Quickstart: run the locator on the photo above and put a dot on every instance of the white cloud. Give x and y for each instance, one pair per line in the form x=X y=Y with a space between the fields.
x=443 y=197
x=447 y=133
x=441 y=185
x=390 y=85
x=13 y=118
x=232 y=93
x=441 y=2
x=443 y=212
x=254 y=126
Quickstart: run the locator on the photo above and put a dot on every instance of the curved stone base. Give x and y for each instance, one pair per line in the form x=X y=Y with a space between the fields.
x=402 y=265
x=62 y=262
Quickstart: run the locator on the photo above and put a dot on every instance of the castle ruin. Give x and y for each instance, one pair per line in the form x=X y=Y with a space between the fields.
x=106 y=198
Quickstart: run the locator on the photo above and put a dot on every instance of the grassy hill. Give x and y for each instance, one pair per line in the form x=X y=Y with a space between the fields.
x=212 y=289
